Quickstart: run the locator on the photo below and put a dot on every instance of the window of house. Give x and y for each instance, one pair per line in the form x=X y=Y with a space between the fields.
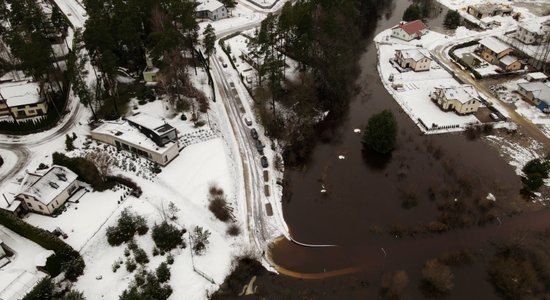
x=41 y=208
x=29 y=204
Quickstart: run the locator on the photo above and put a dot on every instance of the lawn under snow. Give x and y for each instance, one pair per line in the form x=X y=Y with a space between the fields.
x=414 y=98
x=17 y=277
x=185 y=181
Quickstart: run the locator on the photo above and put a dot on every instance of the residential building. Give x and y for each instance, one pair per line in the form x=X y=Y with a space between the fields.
x=533 y=32
x=416 y=59
x=142 y=135
x=492 y=49
x=211 y=9
x=21 y=100
x=408 y=31
x=462 y=99
x=44 y=193
x=489 y=10
x=536 y=76
x=510 y=63
x=538 y=92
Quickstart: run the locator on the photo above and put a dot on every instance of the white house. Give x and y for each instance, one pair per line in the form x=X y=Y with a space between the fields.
x=22 y=99
x=211 y=9
x=462 y=99
x=416 y=59
x=536 y=76
x=44 y=193
x=141 y=135
x=538 y=92
x=533 y=32
x=409 y=31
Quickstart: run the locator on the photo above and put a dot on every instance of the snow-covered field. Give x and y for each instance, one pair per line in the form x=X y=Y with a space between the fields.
x=414 y=99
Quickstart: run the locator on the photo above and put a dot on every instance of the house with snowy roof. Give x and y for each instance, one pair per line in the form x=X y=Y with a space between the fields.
x=489 y=10
x=142 y=135
x=462 y=99
x=498 y=53
x=416 y=59
x=211 y=9
x=45 y=192
x=533 y=32
x=538 y=92
x=409 y=31
x=21 y=100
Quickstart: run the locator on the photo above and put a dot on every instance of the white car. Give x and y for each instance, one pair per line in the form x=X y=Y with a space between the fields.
x=247 y=121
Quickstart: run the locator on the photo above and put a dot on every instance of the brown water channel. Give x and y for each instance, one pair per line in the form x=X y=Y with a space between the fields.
x=365 y=192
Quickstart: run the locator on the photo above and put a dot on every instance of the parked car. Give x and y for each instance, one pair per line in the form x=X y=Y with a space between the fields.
x=260 y=147
x=254 y=133
x=247 y=121
x=263 y=160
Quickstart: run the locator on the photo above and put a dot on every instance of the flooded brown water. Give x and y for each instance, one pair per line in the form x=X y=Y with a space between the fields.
x=364 y=194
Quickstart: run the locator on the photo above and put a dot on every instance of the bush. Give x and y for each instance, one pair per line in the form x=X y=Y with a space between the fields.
x=166 y=236
x=183 y=117
x=140 y=256
x=127 y=226
x=233 y=230
x=413 y=12
x=149 y=288
x=437 y=278
x=218 y=206
x=43 y=290
x=169 y=259
x=535 y=171
x=163 y=272
x=130 y=265
x=381 y=132
x=452 y=19
x=200 y=240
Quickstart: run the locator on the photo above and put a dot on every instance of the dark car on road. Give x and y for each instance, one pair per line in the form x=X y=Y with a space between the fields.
x=260 y=147
x=263 y=160
x=254 y=133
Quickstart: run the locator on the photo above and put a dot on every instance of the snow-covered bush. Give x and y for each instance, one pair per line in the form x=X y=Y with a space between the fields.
x=127 y=226
x=167 y=236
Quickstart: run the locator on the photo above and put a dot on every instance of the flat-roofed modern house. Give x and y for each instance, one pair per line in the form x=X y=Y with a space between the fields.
x=142 y=135
x=416 y=59
x=493 y=50
x=409 y=31
x=538 y=92
x=21 y=100
x=536 y=76
x=45 y=192
x=211 y=9
x=462 y=99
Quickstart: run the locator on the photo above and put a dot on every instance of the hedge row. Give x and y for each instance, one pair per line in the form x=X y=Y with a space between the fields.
x=462 y=62
x=65 y=257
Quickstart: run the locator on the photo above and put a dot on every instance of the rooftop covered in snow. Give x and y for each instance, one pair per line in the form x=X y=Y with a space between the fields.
x=209 y=5
x=462 y=94
x=156 y=125
x=415 y=54
x=20 y=93
x=124 y=131
x=45 y=187
x=494 y=44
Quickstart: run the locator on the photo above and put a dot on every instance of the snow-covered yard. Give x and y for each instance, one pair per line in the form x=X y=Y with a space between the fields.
x=416 y=86
x=20 y=275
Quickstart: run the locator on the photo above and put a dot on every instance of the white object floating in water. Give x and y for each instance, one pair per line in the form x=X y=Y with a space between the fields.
x=357 y=130
x=323 y=191
x=456 y=200
x=341 y=157
x=491 y=197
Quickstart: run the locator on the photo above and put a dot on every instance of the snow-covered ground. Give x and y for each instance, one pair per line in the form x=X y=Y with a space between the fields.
x=414 y=98
x=20 y=275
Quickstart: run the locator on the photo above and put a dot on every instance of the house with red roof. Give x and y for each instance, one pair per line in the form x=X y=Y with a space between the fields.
x=409 y=31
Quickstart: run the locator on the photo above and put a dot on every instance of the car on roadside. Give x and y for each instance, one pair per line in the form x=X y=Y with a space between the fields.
x=264 y=162
x=260 y=147
x=247 y=121
x=254 y=133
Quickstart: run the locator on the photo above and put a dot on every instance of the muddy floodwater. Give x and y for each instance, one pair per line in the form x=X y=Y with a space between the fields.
x=365 y=193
